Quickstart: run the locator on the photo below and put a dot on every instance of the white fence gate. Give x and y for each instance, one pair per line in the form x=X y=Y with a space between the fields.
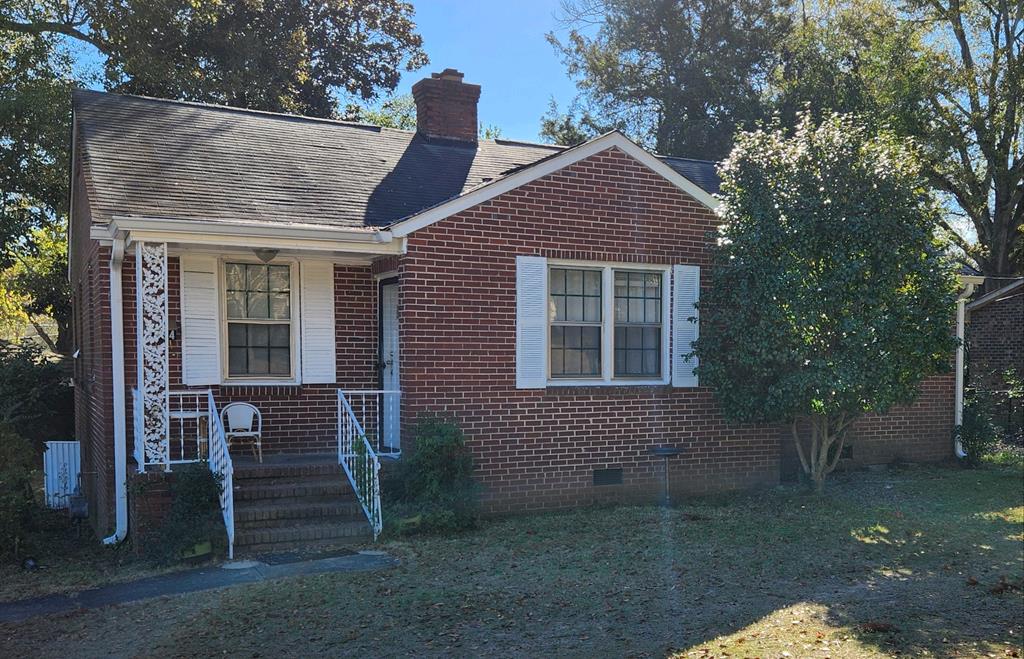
x=62 y=465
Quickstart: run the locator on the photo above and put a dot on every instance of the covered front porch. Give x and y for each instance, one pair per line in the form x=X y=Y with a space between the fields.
x=305 y=331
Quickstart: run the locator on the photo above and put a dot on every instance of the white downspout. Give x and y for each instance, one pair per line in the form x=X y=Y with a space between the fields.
x=117 y=382
x=958 y=405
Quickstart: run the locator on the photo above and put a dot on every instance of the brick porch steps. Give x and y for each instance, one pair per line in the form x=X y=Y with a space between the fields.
x=288 y=503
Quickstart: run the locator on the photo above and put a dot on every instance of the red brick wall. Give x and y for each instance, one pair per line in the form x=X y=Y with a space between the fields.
x=537 y=448
x=995 y=340
x=94 y=425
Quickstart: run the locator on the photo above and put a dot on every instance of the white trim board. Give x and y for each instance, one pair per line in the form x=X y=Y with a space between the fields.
x=548 y=166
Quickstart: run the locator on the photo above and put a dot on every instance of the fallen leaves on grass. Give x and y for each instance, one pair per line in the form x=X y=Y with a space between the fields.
x=876 y=627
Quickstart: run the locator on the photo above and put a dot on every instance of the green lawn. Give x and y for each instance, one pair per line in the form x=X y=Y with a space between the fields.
x=919 y=562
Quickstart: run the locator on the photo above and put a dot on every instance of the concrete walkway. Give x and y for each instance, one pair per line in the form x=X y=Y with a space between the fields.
x=190 y=581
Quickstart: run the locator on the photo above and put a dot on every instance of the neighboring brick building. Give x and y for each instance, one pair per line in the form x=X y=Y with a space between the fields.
x=995 y=345
x=541 y=296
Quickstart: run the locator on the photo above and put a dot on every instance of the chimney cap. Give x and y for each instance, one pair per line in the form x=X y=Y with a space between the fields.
x=449 y=74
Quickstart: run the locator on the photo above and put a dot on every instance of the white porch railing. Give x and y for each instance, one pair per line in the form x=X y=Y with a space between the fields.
x=378 y=411
x=360 y=462
x=194 y=433
x=219 y=461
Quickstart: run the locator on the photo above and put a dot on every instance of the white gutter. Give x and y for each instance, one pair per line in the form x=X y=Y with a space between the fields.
x=117 y=382
x=958 y=404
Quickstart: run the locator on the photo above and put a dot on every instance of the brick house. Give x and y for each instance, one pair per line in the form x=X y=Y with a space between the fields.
x=349 y=279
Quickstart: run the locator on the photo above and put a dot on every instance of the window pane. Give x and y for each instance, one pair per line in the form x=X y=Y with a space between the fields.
x=634 y=362
x=258 y=361
x=557 y=337
x=279 y=278
x=653 y=285
x=574 y=282
x=592 y=309
x=572 y=337
x=236 y=334
x=573 y=361
x=634 y=338
x=620 y=310
x=559 y=307
x=620 y=362
x=636 y=310
x=651 y=360
x=591 y=362
x=557 y=362
x=234 y=276
x=256 y=277
x=259 y=335
x=236 y=304
x=574 y=308
x=652 y=338
x=591 y=337
x=257 y=305
x=280 y=336
x=236 y=361
x=652 y=311
x=557 y=281
x=280 y=306
x=279 y=361
x=592 y=282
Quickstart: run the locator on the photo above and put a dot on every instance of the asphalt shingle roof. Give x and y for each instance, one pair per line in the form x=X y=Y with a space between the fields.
x=168 y=159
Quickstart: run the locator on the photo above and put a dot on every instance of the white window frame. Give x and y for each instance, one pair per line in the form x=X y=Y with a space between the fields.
x=293 y=284
x=607 y=377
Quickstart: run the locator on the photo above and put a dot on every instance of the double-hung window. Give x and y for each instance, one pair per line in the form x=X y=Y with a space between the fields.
x=259 y=318
x=607 y=324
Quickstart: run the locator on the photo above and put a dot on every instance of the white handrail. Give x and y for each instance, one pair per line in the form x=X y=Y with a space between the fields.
x=358 y=459
x=219 y=461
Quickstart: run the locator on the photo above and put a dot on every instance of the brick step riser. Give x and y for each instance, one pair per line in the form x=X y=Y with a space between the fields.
x=274 y=547
x=292 y=473
x=338 y=477
x=271 y=513
x=285 y=522
x=302 y=534
x=259 y=493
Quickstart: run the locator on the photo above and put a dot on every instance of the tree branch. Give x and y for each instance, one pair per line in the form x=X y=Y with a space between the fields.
x=50 y=343
x=53 y=27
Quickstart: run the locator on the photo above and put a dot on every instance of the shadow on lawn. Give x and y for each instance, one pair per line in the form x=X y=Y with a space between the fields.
x=905 y=581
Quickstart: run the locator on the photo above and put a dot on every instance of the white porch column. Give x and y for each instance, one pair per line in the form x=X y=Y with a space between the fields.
x=151 y=351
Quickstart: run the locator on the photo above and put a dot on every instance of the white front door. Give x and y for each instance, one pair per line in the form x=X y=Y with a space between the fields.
x=390 y=403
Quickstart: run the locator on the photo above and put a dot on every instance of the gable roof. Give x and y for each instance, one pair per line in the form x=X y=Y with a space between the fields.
x=169 y=159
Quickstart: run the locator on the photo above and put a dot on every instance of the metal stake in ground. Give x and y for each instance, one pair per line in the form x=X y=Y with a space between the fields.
x=665 y=452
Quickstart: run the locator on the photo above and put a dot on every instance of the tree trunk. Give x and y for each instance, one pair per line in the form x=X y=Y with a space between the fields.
x=828 y=435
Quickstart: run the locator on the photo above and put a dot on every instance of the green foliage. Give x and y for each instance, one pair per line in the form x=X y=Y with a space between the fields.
x=396 y=112
x=35 y=396
x=830 y=296
x=36 y=285
x=948 y=75
x=433 y=481
x=978 y=433
x=679 y=77
x=291 y=56
x=18 y=506
x=194 y=517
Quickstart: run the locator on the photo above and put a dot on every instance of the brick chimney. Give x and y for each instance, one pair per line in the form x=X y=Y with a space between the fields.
x=446 y=106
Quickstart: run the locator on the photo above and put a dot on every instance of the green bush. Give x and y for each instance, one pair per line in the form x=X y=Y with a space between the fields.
x=194 y=517
x=18 y=506
x=431 y=488
x=36 y=398
x=978 y=433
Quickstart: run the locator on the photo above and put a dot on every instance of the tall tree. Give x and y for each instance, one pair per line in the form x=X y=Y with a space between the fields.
x=678 y=75
x=279 y=55
x=949 y=73
x=35 y=113
x=831 y=296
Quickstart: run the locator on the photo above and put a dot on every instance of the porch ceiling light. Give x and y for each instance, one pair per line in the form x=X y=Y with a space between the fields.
x=265 y=255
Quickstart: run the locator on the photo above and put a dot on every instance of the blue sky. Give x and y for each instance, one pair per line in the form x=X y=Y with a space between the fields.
x=499 y=45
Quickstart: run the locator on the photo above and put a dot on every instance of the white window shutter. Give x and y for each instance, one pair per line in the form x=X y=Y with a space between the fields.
x=319 y=349
x=531 y=322
x=200 y=320
x=685 y=294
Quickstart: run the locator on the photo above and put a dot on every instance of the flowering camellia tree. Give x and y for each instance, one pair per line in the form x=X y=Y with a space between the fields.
x=831 y=296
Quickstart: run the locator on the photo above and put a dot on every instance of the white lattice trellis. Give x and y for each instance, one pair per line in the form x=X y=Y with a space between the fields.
x=151 y=309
